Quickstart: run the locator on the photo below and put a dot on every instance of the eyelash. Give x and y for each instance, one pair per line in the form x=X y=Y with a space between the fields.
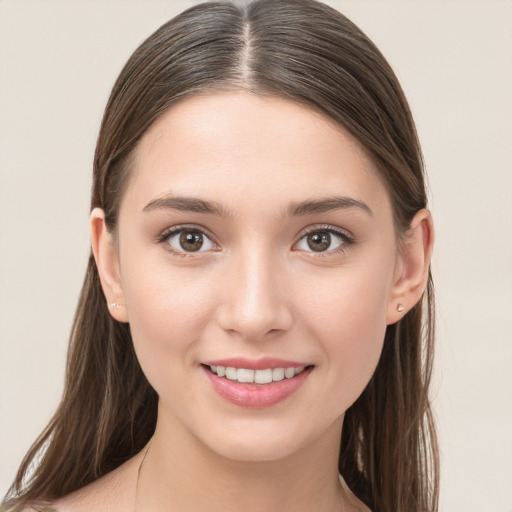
x=169 y=232
x=345 y=237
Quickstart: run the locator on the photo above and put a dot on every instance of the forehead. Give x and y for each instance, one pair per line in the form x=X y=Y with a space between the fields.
x=239 y=147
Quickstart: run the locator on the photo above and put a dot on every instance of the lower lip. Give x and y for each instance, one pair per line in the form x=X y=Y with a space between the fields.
x=256 y=396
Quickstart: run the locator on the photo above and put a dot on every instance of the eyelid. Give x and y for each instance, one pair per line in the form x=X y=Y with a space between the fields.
x=326 y=227
x=164 y=235
x=346 y=236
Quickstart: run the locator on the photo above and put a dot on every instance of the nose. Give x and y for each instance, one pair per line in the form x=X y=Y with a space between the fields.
x=255 y=301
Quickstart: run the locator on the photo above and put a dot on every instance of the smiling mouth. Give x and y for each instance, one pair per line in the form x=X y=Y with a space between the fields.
x=249 y=376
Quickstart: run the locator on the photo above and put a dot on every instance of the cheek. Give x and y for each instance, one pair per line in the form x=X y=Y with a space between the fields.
x=348 y=319
x=167 y=312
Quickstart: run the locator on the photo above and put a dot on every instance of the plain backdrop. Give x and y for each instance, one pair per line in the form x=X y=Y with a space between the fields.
x=58 y=61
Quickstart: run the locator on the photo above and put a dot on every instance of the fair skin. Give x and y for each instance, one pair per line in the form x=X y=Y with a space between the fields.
x=291 y=256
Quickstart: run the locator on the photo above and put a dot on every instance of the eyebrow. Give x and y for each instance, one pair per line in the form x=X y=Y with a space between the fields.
x=295 y=209
x=187 y=204
x=312 y=206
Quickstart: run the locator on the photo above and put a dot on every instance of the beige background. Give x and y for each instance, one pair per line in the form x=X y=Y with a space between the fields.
x=58 y=60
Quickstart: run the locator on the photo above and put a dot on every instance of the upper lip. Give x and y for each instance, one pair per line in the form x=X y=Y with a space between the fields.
x=255 y=364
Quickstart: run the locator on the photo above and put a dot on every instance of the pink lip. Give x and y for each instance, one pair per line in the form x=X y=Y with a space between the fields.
x=256 y=396
x=256 y=364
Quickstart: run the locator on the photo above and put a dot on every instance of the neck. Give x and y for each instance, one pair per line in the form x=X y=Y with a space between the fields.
x=190 y=476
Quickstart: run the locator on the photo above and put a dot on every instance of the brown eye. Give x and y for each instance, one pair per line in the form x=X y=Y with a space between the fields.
x=191 y=241
x=319 y=241
x=323 y=240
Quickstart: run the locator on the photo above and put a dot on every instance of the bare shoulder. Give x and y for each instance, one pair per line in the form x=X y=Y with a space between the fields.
x=114 y=492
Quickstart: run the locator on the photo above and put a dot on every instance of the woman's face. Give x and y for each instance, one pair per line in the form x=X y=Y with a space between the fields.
x=255 y=235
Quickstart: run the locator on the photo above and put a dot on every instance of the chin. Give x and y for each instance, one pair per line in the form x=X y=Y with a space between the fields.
x=269 y=441
x=256 y=450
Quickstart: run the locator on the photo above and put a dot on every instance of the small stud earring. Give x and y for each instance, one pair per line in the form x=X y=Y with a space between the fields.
x=115 y=305
x=400 y=308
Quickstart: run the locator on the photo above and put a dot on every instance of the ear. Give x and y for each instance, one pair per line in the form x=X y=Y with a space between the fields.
x=412 y=267
x=107 y=262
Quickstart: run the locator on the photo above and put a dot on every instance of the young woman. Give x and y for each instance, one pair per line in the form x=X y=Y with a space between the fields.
x=255 y=326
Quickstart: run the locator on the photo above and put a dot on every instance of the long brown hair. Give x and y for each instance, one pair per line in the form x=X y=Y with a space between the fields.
x=310 y=53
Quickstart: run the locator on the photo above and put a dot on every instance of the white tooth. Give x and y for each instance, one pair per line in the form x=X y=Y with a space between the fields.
x=231 y=373
x=221 y=371
x=263 y=376
x=299 y=369
x=213 y=369
x=245 y=375
x=278 y=374
x=289 y=373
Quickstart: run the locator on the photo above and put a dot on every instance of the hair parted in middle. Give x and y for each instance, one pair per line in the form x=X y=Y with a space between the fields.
x=309 y=53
